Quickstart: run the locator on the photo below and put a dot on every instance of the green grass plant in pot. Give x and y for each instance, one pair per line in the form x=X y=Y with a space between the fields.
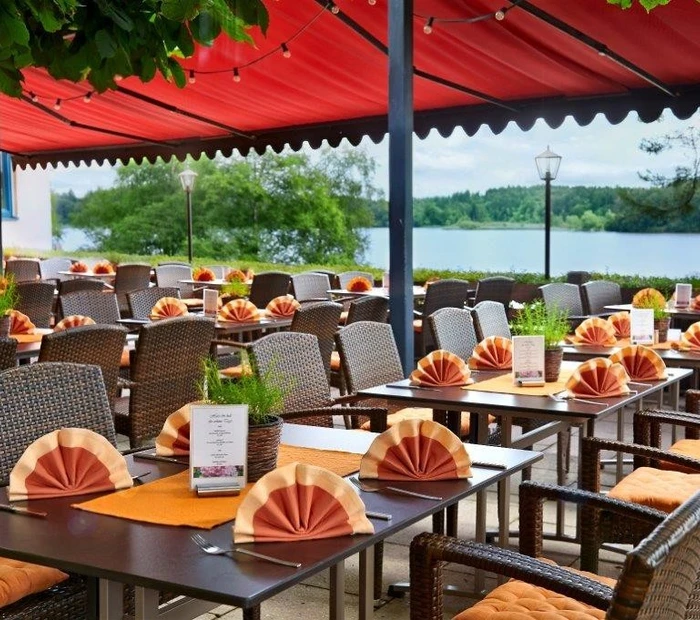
x=8 y=300
x=652 y=299
x=264 y=396
x=535 y=319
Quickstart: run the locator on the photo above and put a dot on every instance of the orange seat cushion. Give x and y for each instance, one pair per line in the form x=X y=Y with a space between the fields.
x=236 y=372
x=19 y=579
x=518 y=600
x=421 y=413
x=335 y=360
x=125 y=361
x=418 y=325
x=656 y=488
x=343 y=317
x=685 y=447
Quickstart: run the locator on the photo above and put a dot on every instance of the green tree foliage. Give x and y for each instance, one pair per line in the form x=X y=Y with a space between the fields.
x=64 y=205
x=647 y=4
x=268 y=208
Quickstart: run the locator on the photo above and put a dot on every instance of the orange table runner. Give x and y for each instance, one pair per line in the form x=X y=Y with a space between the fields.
x=170 y=501
x=503 y=384
x=29 y=338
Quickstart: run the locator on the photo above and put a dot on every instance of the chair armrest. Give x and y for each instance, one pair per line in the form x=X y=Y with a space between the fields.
x=124 y=384
x=229 y=343
x=692 y=401
x=348 y=399
x=647 y=425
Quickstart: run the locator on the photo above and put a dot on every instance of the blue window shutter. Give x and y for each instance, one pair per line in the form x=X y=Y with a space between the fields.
x=6 y=185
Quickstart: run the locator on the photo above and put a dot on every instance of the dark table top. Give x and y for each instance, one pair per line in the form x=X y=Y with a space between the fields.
x=680 y=313
x=164 y=558
x=671 y=357
x=226 y=326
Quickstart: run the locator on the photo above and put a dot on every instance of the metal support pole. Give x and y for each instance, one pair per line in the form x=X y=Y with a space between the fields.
x=547 y=222
x=401 y=176
x=189 y=226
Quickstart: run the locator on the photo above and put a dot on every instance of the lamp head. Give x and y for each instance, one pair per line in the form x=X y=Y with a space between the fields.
x=548 y=164
x=187 y=178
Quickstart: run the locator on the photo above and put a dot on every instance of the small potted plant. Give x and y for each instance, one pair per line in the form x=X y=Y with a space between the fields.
x=652 y=299
x=8 y=300
x=535 y=319
x=264 y=397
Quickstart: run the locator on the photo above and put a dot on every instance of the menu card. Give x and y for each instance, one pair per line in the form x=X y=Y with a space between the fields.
x=218 y=447
x=528 y=360
x=683 y=294
x=210 y=302
x=642 y=326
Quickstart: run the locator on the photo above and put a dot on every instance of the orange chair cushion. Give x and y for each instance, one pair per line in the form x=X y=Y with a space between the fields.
x=335 y=360
x=418 y=325
x=422 y=414
x=686 y=447
x=236 y=372
x=343 y=317
x=518 y=600
x=656 y=488
x=19 y=579
x=125 y=361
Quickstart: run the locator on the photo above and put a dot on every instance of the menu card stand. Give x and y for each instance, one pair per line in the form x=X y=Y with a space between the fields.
x=642 y=326
x=683 y=294
x=210 y=298
x=528 y=360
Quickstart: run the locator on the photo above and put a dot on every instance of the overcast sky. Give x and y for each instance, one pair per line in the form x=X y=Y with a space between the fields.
x=599 y=154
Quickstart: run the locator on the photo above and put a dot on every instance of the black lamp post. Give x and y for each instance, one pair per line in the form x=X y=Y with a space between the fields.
x=547 y=167
x=187 y=178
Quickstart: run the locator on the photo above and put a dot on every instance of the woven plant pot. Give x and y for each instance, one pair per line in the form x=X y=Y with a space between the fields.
x=661 y=325
x=552 y=364
x=4 y=327
x=263 y=447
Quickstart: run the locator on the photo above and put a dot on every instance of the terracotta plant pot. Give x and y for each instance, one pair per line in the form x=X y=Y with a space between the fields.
x=552 y=364
x=263 y=447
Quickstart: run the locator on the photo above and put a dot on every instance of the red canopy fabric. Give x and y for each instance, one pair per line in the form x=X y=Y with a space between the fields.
x=546 y=59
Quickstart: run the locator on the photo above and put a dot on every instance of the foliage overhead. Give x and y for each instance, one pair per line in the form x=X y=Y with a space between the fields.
x=103 y=40
x=647 y=4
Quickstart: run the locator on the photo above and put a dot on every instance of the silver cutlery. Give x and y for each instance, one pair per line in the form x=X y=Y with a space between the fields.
x=20 y=510
x=368 y=489
x=378 y=515
x=137 y=478
x=213 y=549
x=563 y=399
x=489 y=464
x=149 y=456
x=412 y=387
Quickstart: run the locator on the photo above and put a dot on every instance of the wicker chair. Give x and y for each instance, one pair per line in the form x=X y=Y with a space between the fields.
x=49 y=269
x=565 y=297
x=100 y=345
x=34 y=400
x=660 y=577
x=100 y=307
x=597 y=294
x=368 y=308
x=141 y=302
x=311 y=286
x=321 y=320
x=130 y=277
x=578 y=277
x=165 y=371
x=219 y=271
x=36 y=301
x=450 y=293
x=490 y=319
x=497 y=288
x=345 y=277
x=75 y=285
x=23 y=269
x=452 y=329
x=171 y=274
x=268 y=285
x=8 y=353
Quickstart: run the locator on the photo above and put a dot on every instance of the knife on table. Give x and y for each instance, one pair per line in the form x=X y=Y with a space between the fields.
x=156 y=457
x=20 y=510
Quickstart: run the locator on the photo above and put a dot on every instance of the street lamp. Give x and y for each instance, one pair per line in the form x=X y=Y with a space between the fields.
x=547 y=167
x=187 y=178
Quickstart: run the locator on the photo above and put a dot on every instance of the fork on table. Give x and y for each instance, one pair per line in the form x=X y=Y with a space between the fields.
x=368 y=489
x=213 y=549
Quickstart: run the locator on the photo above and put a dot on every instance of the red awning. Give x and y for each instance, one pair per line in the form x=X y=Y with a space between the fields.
x=546 y=59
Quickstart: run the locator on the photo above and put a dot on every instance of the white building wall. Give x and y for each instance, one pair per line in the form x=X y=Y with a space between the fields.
x=30 y=228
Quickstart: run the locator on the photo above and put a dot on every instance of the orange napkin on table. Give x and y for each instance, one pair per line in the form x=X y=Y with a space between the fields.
x=641 y=363
x=598 y=378
x=235 y=275
x=168 y=307
x=20 y=323
x=239 y=311
x=203 y=274
x=69 y=461
x=283 y=306
x=492 y=353
x=416 y=449
x=621 y=324
x=695 y=303
x=300 y=502
x=174 y=439
x=594 y=331
x=103 y=267
x=690 y=339
x=359 y=284
x=441 y=368
x=74 y=320
x=79 y=267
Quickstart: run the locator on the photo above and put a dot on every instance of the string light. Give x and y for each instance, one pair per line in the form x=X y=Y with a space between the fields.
x=88 y=97
x=500 y=15
x=192 y=79
x=285 y=51
x=118 y=78
x=335 y=9
x=57 y=105
x=371 y=2
x=236 y=75
x=33 y=97
x=428 y=28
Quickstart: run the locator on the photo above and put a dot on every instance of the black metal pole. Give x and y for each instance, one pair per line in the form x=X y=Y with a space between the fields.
x=189 y=226
x=547 y=221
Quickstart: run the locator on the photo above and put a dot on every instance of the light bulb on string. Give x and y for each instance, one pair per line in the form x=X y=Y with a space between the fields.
x=371 y=2
x=285 y=51
x=500 y=15
x=236 y=75
x=428 y=28
x=335 y=9
x=57 y=105
x=88 y=97
x=192 y=79
x=33 y=97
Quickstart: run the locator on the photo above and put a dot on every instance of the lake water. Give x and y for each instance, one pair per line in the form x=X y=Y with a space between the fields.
x=671 y=255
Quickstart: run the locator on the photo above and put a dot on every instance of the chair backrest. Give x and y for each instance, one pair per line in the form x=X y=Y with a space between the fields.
x=449 y=293
x=368 y=355
x=100 y=345
x=37 y=399
x=497 y=288
x=577 y=277
x=597 y=294
x=171 y=274
x=321 y=320
x=268 y=285
x=346 y=276
x=311 y=286
x=36 y=301
x=49 y=268
x=8 y=353
x=219 y=271
x=141 y=302
x=23 y=269
x=453 y=330
x=130 y=277
x=490 y=319
x=100 y=307
x=74 y=285
x=332 y=277
x=564 y=296
x=293 y=360
x=368 y=308
x=166 y=370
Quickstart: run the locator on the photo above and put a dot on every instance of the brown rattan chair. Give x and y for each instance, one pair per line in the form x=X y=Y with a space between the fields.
x=578 y=277
x=345 y=277
x=567 y=297
x=597 y=294
x=141 y=302
x=23 y=269
x=311 y=286
x=75 y=285
x=368 y=308
x=8 y=353
x=49 y=269
x=165 y=372
x=449 y=293
x=267 y=285
x=490 y=319
x=497 y=288
x=34 y=400
x=36 y=300
x=172 y=274
x=660 y=577
x=100 y=345
x=130 y=277
x=452 y=329
x=100 y=307
x=321 y=320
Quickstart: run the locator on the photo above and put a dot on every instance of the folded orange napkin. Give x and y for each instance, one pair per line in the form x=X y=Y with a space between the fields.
x=360 y=284
x=175 y=436
x=494 y=352
x=695 y=303
x=620 y=322
x=641 y=363
x=235 y=275
x=283 y=306
x=594 y=331
x=74 y=320
x=103 y=267
x=648 y=298
x=416 y=450
x=79 y=267
x=300 y=502
x=168 y=307
x=203 y=274
x=598 y=378
x=690 y=339
x=69 y=461
x=442 y=368
x=19 y=579
x=20 y=323
x=239 y=311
